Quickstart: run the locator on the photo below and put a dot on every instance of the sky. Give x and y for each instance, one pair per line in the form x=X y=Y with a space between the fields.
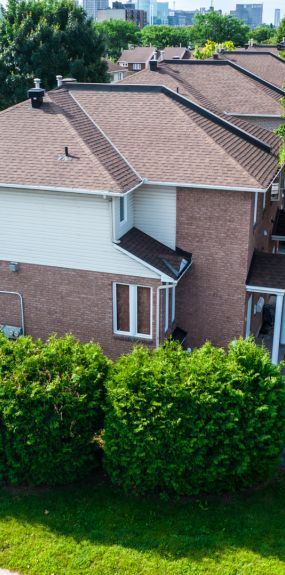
x=226 y=5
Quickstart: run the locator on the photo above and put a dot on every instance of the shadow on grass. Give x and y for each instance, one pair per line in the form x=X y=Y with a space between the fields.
x=196 y=529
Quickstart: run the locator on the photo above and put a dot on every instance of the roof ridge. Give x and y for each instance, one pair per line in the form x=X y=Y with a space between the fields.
x=213 y=116
x=107 y=139
x=111 y=167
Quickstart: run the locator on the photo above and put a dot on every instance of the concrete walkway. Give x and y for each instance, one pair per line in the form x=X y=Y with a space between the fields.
x=7 y=572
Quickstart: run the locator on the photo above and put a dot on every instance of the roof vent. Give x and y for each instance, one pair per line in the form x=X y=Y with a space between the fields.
x=66 y=157
x=59 y=81
x=36 y=94
x=153 y=63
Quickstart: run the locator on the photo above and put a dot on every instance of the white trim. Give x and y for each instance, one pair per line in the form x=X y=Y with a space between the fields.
x=248 y=316
x=133 y=311
x=261 y=289
x=277 y=328
x=255 y=208
x=69 y=190
x=160 y=275
x=166 y=315
x=173 y=305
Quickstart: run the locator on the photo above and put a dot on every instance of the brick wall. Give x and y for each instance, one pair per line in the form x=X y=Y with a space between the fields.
x=64 y=300
x=214 y=226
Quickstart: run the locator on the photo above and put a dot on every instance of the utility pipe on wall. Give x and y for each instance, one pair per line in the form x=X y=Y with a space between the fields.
x=21 y=305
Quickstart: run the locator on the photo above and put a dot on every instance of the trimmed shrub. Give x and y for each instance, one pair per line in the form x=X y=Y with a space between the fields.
x=189 y=423
x=51 y=408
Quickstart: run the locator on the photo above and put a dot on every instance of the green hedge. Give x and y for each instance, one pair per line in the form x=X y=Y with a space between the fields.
x=189 y=423
x=51 y=408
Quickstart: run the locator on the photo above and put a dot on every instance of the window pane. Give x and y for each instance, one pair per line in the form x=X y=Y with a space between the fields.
x=143 y=310
x=123 y=307
x=122 y=209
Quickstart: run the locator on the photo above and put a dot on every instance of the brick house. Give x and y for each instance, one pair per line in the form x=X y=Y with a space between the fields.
x=130 y=213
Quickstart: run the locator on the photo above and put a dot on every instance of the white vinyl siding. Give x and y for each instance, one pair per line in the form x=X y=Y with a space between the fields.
x=62 y=230
x=155 y=213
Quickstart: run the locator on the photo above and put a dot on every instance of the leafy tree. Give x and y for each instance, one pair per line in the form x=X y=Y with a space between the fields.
x=218 y=28
x=209 y=49
x=281 y=132
x=262 y=34
x=118 y=35
x=164 y=36
x=43 y=39
x=280 y=32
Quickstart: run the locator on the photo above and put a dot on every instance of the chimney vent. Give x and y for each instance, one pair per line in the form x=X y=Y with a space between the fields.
x=36 y=94
x=59 y=81
x=153 y=65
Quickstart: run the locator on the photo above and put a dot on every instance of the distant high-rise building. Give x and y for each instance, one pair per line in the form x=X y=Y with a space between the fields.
x=138 y=17
x=251 y=14
x=277 y=17
x=91 y=7
x=150 y=7
x=162 y=13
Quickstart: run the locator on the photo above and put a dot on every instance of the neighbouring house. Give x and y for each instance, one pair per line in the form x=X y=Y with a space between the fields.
x=116 y=72
x=219 y=85
x=122 y=235
x=138 y=58
x=265 y=65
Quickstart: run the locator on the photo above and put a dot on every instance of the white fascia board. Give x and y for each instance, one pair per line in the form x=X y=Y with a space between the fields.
x=85 y=191
x=161 y=276
x=204 y=186
x=260 y=289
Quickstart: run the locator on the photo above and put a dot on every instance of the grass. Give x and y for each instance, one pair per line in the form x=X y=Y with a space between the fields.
x=93 y=529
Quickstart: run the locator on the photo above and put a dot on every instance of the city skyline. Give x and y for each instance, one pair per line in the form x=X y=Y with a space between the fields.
x=224 y=5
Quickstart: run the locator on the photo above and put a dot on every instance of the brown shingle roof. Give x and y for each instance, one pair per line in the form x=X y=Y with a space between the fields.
x=32 y=141
x=170 y=141
x=172 y=52
x=138 y=55
x=173 y=263
x=217 y=85
x=267 y=270
x=266 y=65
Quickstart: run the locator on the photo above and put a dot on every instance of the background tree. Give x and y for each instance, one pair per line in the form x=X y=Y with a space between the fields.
x=262 y=34
x=280 y=32
x=117 y=36
x=218 y=28
x=43 y=39
x=164 y=36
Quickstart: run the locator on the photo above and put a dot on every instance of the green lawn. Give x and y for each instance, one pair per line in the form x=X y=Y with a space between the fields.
x=96 y=530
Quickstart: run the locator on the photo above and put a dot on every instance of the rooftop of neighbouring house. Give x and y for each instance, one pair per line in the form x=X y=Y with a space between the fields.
x=217 y=85
x=113 y=67
x=266 y=65
x=173 y=53
x=138 y=55
x=120 y=136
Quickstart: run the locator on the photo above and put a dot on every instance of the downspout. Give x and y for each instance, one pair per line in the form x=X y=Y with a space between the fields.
x=21 y=305
x=166 y=286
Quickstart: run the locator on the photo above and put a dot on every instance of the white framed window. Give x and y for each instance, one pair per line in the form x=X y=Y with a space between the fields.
x=137 y=66
x=123 y=209
x=132 y=310
x=275 y=192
